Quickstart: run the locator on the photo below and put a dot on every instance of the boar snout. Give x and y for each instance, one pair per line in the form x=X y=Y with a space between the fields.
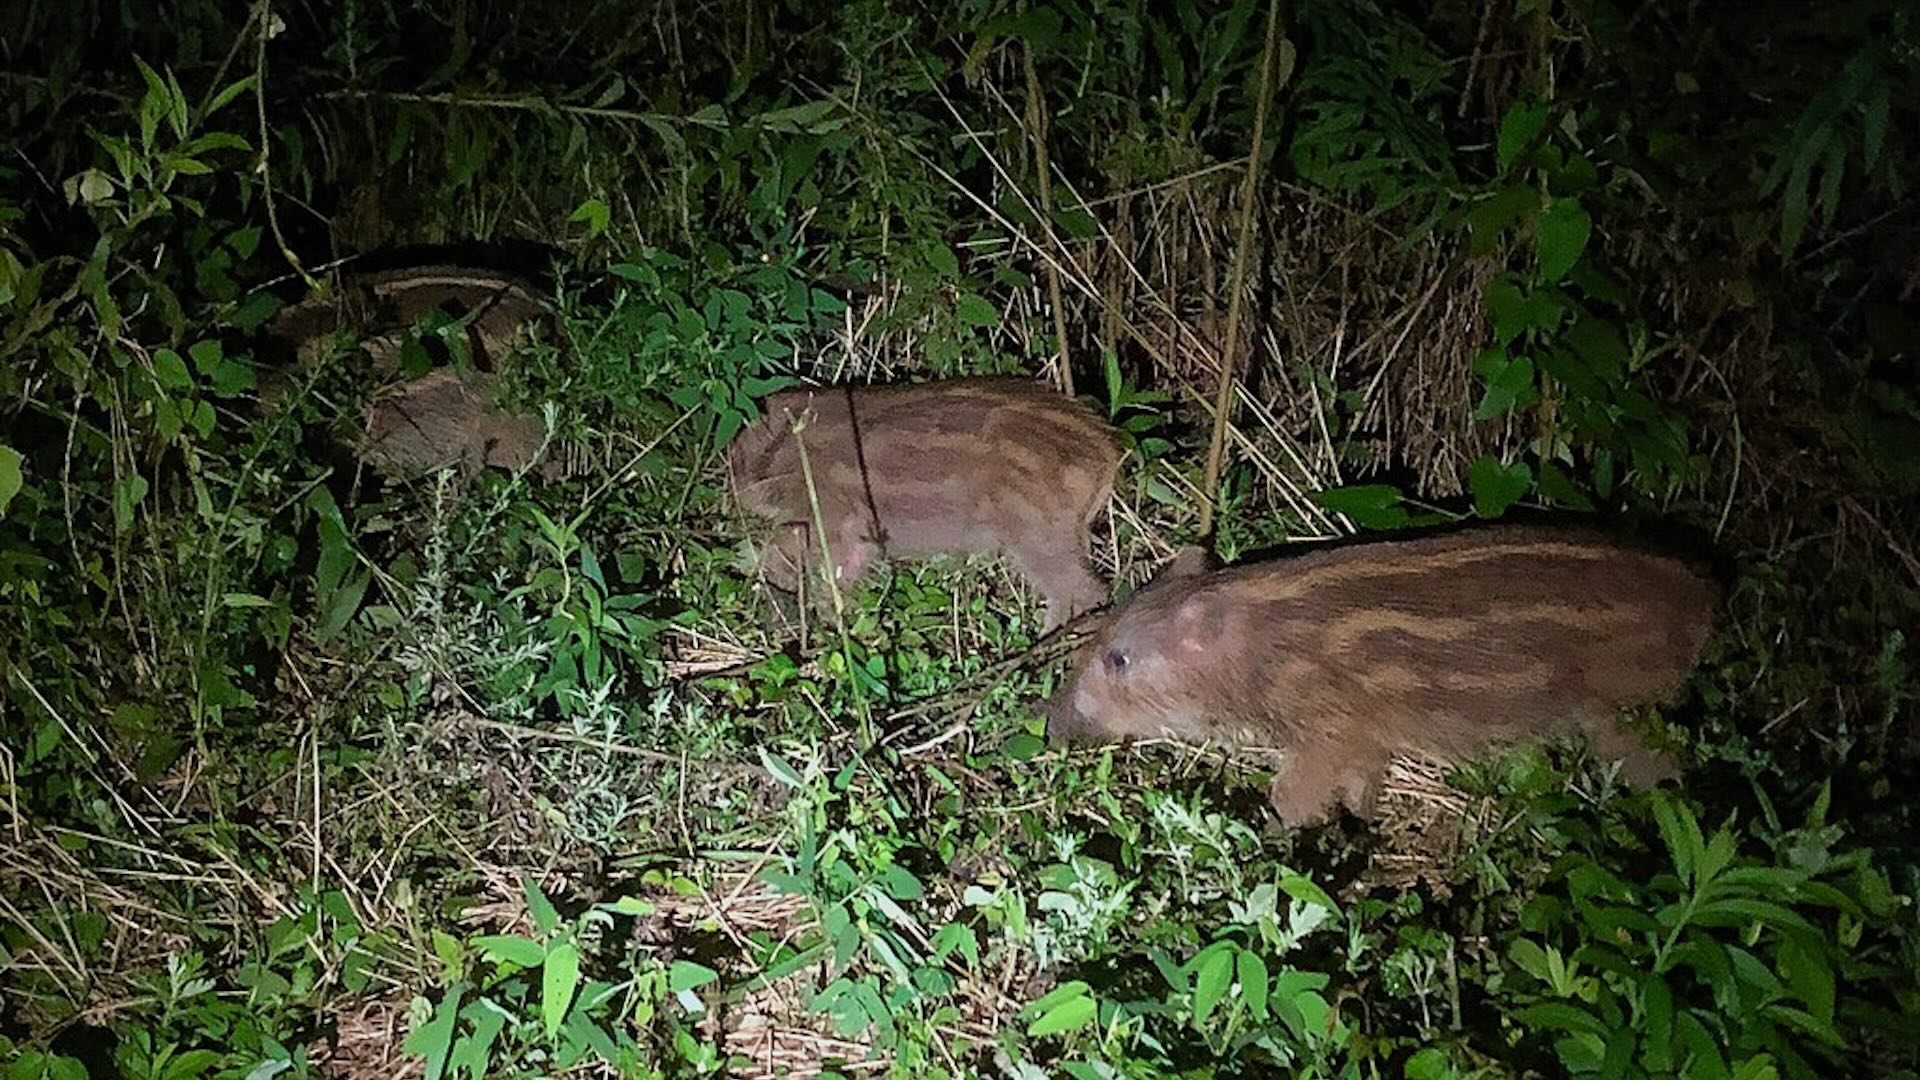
x=1065 y=723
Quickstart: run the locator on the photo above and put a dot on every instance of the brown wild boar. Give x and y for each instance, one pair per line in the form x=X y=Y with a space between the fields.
x=1001 y=466
x=444 y=418
x=1448 y=645
x=384 y=303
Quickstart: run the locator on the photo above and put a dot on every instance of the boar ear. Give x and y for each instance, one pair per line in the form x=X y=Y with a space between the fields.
x=1189 y=561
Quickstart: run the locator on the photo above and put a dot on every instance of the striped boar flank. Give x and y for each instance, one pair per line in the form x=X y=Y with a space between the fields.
x=1447 y=645
x=990 y=466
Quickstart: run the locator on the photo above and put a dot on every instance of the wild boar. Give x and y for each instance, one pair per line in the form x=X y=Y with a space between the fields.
x=1449 y=645
x=997 y=466
x=444 y=418
x=501 y=307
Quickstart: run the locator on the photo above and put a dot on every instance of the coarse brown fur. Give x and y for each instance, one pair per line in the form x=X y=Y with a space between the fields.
x=1000 y=466
x=1448 y=645
x=445 y=418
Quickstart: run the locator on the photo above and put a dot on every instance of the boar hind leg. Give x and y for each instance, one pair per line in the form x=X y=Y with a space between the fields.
x=1640 y=765
x=1321 y=777
x=1058 y=569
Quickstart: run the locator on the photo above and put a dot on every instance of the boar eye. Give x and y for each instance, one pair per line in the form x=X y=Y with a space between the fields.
x=1117 y=660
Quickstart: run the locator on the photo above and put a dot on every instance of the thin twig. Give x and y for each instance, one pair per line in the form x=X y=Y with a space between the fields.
x=1037 y=131
x=1236 y=283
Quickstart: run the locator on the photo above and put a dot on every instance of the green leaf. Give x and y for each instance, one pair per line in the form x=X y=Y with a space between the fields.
x=974 y=311
x=943 y=261
x=1556 y=486
x=595 y=213
x=227 y=94
x=1681 y=832
x=1522 y=124
x=511 y=948
x=545 y=918
x=629 y=905
x=1873 y=125
x=435 y=1039
x=780 y=770
x=1508 y=306
x=1253 y=983
x=1304 y=889
x=558 y=981
x=687 y=975
x=1428 y=1064
x=1509 y=383
x=1065 y=992
x=1213 y=976
x=127 y=496
x=1023 y=747
x=1497 y=487
x=1562 y=238
x=1656 y=1005
x=1493 y=216
x=900 y=883
x=1066 y=1016
x=1561 y=1016
x=11 y=480
x=471 y=1052
x=1370 y=506
x=171 y=371
x=957 y=936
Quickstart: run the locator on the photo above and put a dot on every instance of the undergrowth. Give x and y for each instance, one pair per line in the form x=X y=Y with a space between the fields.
x=308 y=771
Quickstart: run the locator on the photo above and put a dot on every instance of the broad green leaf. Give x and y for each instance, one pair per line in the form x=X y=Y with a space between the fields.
x=1561 y=238
x=629 y=905
x=227 y=94
x=1052 y=999
x=1497 y=487
x=1428 y=1064
x=545 y=918
x=435 y=1039
x=1509 y=384
x=11 y=479
x=559 y=978
x=1873 y=125
x=1303 y=889
x=1522 y=124
x=943 y=261
x=689 y=975
x=1253 y=983
x=1758 y=1067
x=1370 y=506
x=1508 y=306
x=1528 y=956
x=596 y=215
x=1214 y=975
x=960 y=937
x=1493 y=216
x=471 y=1052
x=974 y=311
x=1556 y=486
x=1066 y=1016
x=1810 y=976
x=170 y=370
x=1656 y=1006
x=1561 y=1016
x=1023 y=747
x=900 y=883
x=1681 y=832
x=511 y=948
x=780 y=770
x=127 y=496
